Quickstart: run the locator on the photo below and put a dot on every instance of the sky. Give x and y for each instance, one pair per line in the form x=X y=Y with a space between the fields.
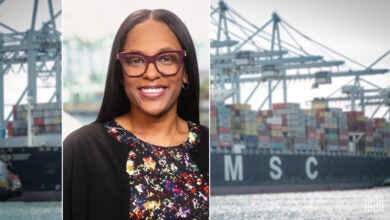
x=357 y=29
x=93 y=19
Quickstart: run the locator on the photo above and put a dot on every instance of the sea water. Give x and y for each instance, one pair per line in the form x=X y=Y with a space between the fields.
x=348 y=204
x=30 y=211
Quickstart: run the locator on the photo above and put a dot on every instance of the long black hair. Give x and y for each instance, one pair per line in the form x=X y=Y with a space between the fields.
x=115 y=101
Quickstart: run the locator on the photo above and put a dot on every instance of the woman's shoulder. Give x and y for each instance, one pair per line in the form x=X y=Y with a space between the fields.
x=201 y=151
x=85 y=133
x=202 y=129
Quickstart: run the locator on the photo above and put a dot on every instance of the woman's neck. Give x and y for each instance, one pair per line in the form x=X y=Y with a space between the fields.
x=166 y=130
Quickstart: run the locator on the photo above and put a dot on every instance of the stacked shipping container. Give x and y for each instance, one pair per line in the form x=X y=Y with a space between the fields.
x=46 y=118
x=221 y=134
x=287 y=126
x=244 y=123
x=264 y=121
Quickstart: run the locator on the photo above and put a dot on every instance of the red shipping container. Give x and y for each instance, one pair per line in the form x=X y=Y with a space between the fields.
x=318 y=111
x=275 y=127
x=53 y=128
x=224 y=130
x=321 y=136
x=266 y=139
x=277 y=139
x=355 y=113
x=213 y=137
x=9 y=128
x=311 y=135
x=279 y=106
x=9 y=125
x=264 y=133
x=343 y=137
x=225 y=144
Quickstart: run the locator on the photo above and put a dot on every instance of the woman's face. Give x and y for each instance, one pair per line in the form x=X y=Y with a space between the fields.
x=152 y=93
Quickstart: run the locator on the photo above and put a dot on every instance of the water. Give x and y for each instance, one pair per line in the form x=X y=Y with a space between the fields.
x=329 y=205
x=30 y=211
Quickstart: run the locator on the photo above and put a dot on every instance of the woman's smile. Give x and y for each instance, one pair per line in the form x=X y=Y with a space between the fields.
x=152 y=92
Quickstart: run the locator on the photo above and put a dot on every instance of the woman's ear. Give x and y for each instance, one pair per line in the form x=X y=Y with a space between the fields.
x=185 y=77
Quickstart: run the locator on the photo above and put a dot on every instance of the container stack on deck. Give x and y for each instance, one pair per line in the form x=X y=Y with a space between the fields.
x=287 y=126
x=332 y=129
x=221 y=134
x=244 y=123
x=293 y=124
x=46 y=119
x=264 y=131
x=383 y=128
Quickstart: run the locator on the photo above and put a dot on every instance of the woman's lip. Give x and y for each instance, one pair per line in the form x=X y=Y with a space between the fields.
x=152 y=92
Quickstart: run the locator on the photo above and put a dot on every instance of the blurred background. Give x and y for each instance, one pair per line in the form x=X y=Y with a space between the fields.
x=89 y=29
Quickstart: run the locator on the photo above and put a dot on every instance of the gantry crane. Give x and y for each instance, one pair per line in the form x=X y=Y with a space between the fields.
x=356 y=94
x=36 y=51
x=243 y=52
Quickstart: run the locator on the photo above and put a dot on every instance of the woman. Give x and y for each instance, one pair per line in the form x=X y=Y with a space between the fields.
x=145 y=156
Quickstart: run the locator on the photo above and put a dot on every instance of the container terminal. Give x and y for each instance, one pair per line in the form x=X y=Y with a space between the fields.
x=281 y=145
x=30 y=126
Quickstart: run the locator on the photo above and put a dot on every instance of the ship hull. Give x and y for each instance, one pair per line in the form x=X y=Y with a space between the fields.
x=39 y=169
x=262 y=173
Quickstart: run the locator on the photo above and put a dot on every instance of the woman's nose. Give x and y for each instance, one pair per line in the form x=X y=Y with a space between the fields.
x=151 y=72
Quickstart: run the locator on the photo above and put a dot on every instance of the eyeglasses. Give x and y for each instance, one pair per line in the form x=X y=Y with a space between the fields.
x=167 y=63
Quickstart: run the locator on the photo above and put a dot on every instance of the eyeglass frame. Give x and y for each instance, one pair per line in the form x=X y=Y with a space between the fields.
x=151 y=59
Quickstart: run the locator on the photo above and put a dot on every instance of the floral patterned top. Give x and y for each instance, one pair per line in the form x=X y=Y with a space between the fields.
x=164 y=182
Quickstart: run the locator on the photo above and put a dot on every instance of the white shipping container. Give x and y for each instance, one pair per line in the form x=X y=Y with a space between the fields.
x=248 y=118
x=333 y=147
x=275 y=133
x=263 y=145
x=224 y=117
x=37 y=113
x=225 y=137
x=300 y=146
x=57 y=112
x=261 y=127
x=225 y=123
x=275 y=120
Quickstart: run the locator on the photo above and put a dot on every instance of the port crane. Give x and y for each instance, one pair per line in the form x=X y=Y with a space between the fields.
x=356 y=94
x=36 y=51
x=243 y=52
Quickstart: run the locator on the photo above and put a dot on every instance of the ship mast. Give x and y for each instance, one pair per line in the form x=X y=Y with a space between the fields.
x=30 y=131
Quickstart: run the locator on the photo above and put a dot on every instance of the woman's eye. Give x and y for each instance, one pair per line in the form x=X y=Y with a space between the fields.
x=134 y=60
x=166 y=59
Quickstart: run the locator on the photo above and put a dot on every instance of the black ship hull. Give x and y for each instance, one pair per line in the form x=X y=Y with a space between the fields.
x=262 y=173
x=39 y=169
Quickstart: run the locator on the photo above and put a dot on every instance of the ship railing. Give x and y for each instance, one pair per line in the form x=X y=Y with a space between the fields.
x=299 y=152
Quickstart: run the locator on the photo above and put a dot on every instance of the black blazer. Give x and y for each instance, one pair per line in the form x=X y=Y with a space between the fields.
x=95 y=181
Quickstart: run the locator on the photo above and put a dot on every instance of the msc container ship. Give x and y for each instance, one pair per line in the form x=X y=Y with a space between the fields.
x=38 y=166
x=287 y=148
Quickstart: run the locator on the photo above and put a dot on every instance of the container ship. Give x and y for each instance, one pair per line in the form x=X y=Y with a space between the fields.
x=36 y=157
x=288 y=148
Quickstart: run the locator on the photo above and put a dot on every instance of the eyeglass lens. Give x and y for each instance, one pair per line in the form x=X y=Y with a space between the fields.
x=167 y=63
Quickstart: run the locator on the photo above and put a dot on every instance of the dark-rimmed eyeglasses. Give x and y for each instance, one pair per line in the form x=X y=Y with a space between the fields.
x=135 y=64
